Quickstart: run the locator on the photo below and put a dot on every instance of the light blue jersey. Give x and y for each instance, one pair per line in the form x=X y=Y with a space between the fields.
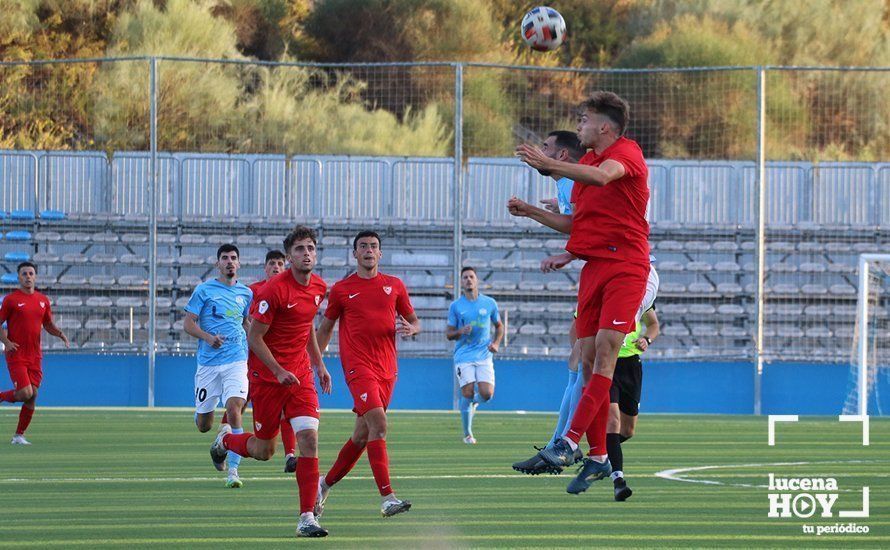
x=481 y=313
x=221 y=309
x=564 y=195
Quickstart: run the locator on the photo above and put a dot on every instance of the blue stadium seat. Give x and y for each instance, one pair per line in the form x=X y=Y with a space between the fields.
x=52 y=215
x=18 y=236
x=9 y=279
x=22 y=215
x=16 y=257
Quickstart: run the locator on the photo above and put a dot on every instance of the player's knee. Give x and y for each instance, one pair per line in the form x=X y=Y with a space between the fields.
x=24 y=394
x=486 y=395
x=307 y=441
x=627 y=432
x=360 y=441
x=264 y=451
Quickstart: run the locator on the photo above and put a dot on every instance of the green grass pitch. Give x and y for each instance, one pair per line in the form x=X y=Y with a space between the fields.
x=137 y=478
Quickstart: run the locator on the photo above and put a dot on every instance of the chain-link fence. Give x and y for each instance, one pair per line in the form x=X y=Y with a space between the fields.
x=240 y=152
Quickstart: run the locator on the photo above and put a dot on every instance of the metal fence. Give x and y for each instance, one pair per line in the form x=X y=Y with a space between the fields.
x=766 y=183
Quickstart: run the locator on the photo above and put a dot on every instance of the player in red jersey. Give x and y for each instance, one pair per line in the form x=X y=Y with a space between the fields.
x=607 y=229
x=274 y=264
x=283 y=354
x=25 y=312
x=372 y=308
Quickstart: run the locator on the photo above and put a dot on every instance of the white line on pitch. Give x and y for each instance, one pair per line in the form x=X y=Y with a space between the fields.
x=676 y=474
x=251 y=478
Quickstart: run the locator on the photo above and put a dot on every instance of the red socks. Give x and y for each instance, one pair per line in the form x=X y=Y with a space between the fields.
x=307 y=482
x=596 y=434
x=237 y=443
x=590 y=407
x=288 y=437
x=24 y=419
x=8 y=396
x=380 y=465
x=349 y=455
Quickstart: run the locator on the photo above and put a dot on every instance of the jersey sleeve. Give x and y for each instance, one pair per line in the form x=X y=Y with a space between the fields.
x=403 y=301
x=246 y=312
x=495 y=315
x=335 y=303
x=196 y=302
x=452 y=315
x=47 y=313
x=265 y=305
x=5 y=310
x=632 y=160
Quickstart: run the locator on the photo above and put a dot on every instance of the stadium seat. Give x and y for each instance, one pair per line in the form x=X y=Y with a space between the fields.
x=561 y=308
x=810 y=246
x=530 y=243
x=780 y=246
x=68 y=301
x=188 y=281
x=815 y=289
x=166 y=260
x=163 y=302
x=132 y=259
x=217 y=239
x=841 y=267
x=702 y=309
x=99 y=301
x=248 y=240
x=9 y=279
x=132 y=280
x=329 y=240
x=842 y=289
x=701 y=287
x=819 y=332
x=555 y=244
x=166 y=238
x=277 y=241
x=134 y=238
x=22 y=215
x=16 y=257
x=559 y=329
x=697 y=246
x=66 y=323
x=733 y=332
x=730 y=309
x=668 y=266
x=532 y=307
x=724 y=246
x=97 y=324
x=18 y=235
x=503 y=285
x=194 y=259
x=124 y=324
x=672 y=329
x=182 y=301
x=812 y=267
x=698 y=267
x=534 y=350
x=530 y=265
x=729 y=288
x=502 y=243
x=74 y=258
x=192 y=238
x=670 y=246
x=784 y=288
x=727 y=267
x=76 y=237
x=861 y=248
x=52 y=215
x=840 y=247
x=333 y=261
x=103 y=258
x=102 y=280
x=845 y=310
x=135 y=217
x=845 y=332
x=48 y=236
x=532 y=330
x=673 y=309
x=560 y=286
x=818 y=310
x=104 y=237
x=672 y=288
x=129 y=301
x=506 y=264
x=252 y=261
x=164 y=280
x=782 y=267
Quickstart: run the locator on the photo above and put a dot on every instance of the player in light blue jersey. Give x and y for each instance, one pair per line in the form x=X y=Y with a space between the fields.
x=217 y=315
x=470 y=320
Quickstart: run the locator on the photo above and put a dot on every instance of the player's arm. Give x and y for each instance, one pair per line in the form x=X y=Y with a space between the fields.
x=51 y=328
x=522 y=209
x=454 y=333
x=190 y=327
x=317 y=362
x=557 y=261
x=609 y=171
x=258 y=346
x=650 y=319
x=495 y=345
x=407 y=325
x=325 y=332
x=8 y=344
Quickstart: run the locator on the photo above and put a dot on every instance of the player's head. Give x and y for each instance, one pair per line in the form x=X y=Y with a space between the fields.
x=300 y=248
x=563 y=145
x=366 y=249
x=468 y=279
x=604 y=115
x=227 y=261
x=274 y=263
x=27 y=273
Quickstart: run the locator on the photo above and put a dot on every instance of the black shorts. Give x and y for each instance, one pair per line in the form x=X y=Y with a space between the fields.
x=627 y=385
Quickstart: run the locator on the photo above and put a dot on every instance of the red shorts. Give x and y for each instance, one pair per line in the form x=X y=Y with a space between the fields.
x=369 y=392
x=609 y=296
x=25 y=373
x=272 y=402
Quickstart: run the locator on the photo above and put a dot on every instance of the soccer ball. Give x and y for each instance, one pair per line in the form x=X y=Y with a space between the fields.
x=543 y=29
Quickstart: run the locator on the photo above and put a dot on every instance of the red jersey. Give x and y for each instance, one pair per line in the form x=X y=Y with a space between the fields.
x=610 y=222
x=25 y=315
x=289 y=309
x=255 y=287
x=367 y=311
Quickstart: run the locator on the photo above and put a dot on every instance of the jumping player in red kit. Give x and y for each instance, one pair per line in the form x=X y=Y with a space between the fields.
x=26 y=312
x=607 y=229
x=283 y=354
x=372 y=308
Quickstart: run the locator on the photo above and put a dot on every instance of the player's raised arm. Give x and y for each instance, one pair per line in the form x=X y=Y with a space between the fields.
x=258 y=346
x=601 y=175
x=522 y=209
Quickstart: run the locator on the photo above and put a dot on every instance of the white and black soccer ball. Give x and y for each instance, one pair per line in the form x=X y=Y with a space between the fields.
x=543 y=29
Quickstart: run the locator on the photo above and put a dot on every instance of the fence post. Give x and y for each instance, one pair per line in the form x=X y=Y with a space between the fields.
x=152 y=227
x=760 y=238
x=457 y=184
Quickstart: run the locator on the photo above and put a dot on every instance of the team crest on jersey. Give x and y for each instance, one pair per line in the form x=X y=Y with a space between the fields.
x=364 y=397
x=42 y=305
x=387 y=289
x=240 y=301
x=483 y=311
x=258 y=426
x=317 y=300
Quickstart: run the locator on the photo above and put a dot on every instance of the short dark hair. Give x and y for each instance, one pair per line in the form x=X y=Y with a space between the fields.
x=274 y=255
x=468 y=268
x=299 y=233
x=570 y=142
x=362 y=235
x=18 y=268
x=227 y=248
x=610 y=105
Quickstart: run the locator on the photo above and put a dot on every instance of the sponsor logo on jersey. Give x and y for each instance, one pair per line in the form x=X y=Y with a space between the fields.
x=264 y=307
